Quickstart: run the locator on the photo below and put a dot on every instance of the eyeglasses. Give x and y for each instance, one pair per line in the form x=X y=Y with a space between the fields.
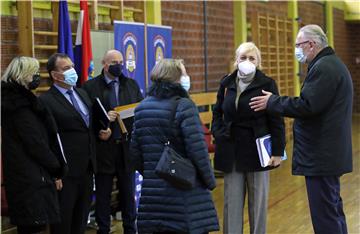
x=300 y=43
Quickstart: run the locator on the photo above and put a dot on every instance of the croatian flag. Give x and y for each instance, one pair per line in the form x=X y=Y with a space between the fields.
x=84 y=64
x=65 y=45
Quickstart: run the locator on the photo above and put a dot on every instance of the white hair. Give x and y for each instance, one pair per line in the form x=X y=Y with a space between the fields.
x=315 y=33
x=20 y=69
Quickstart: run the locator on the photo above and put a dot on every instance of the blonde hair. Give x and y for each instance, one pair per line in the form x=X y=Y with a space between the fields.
x=167 y=70
x=19 y=69
x=315 y=33
x=245 y=48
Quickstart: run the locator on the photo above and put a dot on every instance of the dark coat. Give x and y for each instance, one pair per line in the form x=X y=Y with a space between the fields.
x=78 y=140
x=162 y=206
x=29 y=164
x=235 y=131
x=323 y=112
x=129 y=92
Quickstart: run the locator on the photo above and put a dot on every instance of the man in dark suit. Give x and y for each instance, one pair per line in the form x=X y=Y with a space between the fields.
x=71 y=109
x=322 y=127
x=114 y=89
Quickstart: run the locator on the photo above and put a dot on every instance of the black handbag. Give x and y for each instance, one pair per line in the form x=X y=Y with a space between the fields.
x=174 y=168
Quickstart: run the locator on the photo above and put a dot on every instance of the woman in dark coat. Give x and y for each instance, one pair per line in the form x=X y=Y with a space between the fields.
x=235 y=128
x=29 y=164
x=163 y=207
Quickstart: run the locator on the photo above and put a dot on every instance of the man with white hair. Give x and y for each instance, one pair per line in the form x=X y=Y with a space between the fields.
x=322 y=127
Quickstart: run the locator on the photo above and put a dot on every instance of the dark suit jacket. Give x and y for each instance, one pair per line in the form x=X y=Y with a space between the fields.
x=78 y=140
x=129 y=92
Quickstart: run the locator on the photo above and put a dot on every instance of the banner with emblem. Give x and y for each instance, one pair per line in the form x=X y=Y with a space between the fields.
x=129 y=40
x=159 y=45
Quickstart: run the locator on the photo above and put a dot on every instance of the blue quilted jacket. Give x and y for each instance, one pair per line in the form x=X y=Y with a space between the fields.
x=163 y=207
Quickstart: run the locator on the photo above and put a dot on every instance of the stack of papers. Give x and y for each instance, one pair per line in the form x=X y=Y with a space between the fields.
x=264 y=150
x=126 y=111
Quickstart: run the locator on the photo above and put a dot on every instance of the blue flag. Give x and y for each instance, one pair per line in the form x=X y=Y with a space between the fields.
x=64 y=31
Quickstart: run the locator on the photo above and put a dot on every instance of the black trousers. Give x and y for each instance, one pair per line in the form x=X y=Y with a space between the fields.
x=75 y=200
x=326 y=205
x=126 y=187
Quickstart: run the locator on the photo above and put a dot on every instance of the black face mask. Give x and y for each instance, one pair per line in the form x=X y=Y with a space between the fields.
x=35 y=82
x=116 y=69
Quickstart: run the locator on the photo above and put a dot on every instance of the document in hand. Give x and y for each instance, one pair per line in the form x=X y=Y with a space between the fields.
x=100 y=111
x=126 y=111
x=61 y=148
x=264 y=150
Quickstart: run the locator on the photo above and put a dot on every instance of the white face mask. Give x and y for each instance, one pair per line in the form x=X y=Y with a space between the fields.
x=300 y=56
x=185 y=82
x=246 y=68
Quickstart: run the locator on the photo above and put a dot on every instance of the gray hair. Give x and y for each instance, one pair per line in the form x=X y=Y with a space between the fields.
x=20 y=69
x=245 y=48
x=315 y=33
x=167 y=70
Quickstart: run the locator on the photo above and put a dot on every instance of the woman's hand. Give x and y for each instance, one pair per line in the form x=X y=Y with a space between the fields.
x=274 y=161
x=105 y=134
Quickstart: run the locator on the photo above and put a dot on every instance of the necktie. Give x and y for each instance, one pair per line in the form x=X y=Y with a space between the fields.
x=113 y=100
x=113 y=97
x=77 y=107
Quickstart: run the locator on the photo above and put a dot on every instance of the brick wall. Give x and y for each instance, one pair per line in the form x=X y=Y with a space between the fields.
x=271 y=7
x=311 y=13
x=220 y=34
x=346 y=43
x=9 y=40
x=187 y=21
x=353 y=31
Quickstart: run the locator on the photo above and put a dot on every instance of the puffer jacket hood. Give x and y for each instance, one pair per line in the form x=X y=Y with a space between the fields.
x=167 y=90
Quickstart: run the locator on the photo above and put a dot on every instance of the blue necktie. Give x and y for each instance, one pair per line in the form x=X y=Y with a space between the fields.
x=77 y=107
x=113 y=101
x=112 y=97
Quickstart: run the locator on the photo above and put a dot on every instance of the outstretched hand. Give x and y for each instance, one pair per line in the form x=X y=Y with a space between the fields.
x=260 y=102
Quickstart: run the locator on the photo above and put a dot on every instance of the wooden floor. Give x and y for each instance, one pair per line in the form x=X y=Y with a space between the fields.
x=288 y=211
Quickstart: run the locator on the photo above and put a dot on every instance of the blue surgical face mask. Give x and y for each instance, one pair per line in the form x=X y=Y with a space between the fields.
x=299 y=54
x=185 y=82
x=70 y=77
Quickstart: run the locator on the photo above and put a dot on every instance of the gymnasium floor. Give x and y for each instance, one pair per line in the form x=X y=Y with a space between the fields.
x=288 y=211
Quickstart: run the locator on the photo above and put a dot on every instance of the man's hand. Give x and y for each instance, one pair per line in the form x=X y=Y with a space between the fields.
x=112 y=115
x=260 y=102
x=58 y=184
x=105 y=134
x=274 y=161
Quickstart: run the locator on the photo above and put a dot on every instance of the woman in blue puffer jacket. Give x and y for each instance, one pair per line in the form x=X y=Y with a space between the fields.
x=168 y=113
